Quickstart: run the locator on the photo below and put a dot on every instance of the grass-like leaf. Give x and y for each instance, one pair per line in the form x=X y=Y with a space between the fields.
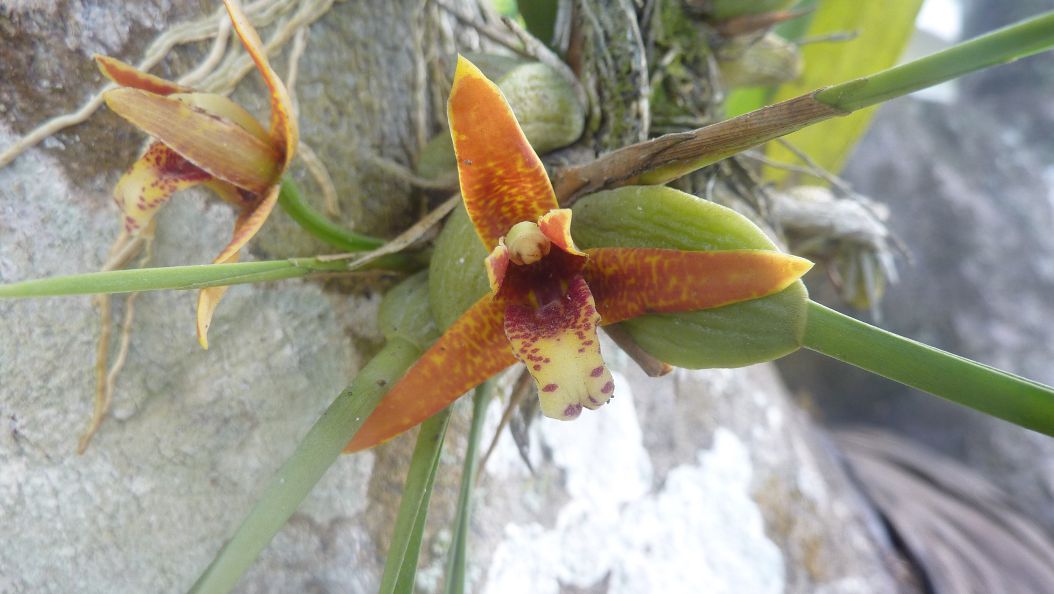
x=989 y=390
x=200 y=276
x=455 y=571
x=312 y=457
x=400 y=567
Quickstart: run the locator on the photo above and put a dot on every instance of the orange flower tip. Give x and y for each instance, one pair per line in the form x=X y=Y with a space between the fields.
x=556 y=226
x=526 y=243
x=465 y=69
x=558 y=343
x=127 y=75
x=799 y=266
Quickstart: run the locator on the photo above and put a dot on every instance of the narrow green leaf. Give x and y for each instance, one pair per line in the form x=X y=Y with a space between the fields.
x=400 y=567
x=1001 y=46
x=199 y=276
x=883 y=30
x=299 y=474
x=455 y=571
x=989 y=390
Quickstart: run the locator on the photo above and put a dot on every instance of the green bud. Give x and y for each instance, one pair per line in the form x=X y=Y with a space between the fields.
x=726 y=9
x=405 y=313
x=768 y=61
x=731 y=336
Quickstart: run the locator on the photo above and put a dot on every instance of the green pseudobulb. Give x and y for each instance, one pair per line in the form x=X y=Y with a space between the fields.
x=647 y=216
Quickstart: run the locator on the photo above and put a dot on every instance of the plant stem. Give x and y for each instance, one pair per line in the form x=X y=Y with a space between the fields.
x=315 y=223
x=455 y=573
x=400 y=567
x=1004 y=395
x=997 y=47
x=200 y=276
x=668 y=157
x=299 y=474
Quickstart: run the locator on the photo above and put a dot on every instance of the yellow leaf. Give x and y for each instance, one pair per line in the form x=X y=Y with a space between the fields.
x=883 y=30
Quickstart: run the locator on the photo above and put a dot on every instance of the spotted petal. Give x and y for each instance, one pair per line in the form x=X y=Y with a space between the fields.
x=629 y=282
x=558 y=343
x=151 y=181
x=503 y=181
x=471 y=350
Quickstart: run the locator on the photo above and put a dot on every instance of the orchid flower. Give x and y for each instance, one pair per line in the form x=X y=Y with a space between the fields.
x=547 y=297
x=203 y=139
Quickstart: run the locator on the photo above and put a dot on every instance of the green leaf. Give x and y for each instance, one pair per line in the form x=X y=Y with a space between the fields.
x=199 y=276
x=455 y=574
x=299 y=474
x=400 y=567
x=883 y=29
x=326 y=440
x=989 y=390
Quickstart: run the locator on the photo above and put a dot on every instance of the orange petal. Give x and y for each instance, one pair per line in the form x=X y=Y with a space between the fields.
x=503 y=181
x=284 y=133
x=558 y=343
x=628 y=282
x=556 y=225
x=151 y=181
x=249 y=222
x=471 y=350
x=216 y=145
x=497 y=263
x=127 y=75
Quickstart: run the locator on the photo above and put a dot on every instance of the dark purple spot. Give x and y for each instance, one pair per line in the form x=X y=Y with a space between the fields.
x=550 y=388
x=608 y=388
x=599 y=371
x=573 y=410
